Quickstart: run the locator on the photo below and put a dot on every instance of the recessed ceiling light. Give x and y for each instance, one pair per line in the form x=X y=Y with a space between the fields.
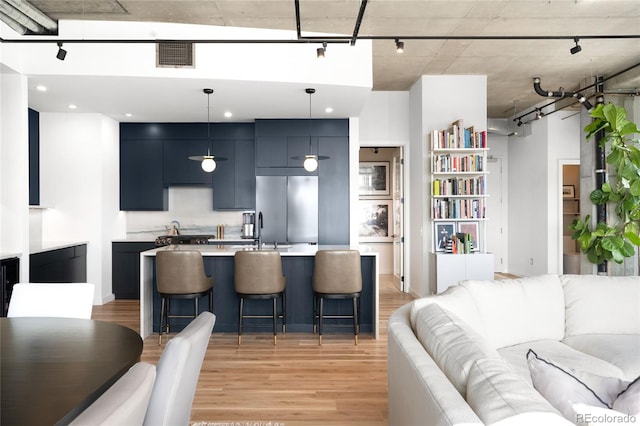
x=228 y=114
x=328 y=110
x=72 y=106
x=128 y=114
x=41 y=88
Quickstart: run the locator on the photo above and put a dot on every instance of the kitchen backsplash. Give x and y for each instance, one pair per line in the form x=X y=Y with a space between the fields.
x=189 y=206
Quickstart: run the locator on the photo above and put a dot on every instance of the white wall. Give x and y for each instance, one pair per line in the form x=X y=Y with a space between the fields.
x=564 y=145
x=534 y=192
x=79 y=175
x=393 y=131
x=497 y=224
x=14 y=170
x=436 y=102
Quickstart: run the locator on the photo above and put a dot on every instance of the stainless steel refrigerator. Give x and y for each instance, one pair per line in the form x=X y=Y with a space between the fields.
x=289 y=206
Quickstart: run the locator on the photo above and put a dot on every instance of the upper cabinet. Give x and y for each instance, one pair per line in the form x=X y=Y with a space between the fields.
x=178 y=169
x=278 y=141
x=141 y=181
x=233 y=181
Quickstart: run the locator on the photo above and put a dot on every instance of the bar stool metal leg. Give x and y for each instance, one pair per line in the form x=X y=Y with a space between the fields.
x=240 y=321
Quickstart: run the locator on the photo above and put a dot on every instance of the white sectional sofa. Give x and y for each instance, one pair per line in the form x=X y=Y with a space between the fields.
x=475 y=354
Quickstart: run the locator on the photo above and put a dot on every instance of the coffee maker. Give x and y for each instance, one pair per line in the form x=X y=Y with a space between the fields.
x=248 y=224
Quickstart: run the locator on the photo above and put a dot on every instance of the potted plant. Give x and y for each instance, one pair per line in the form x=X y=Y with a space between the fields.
x=615 y=240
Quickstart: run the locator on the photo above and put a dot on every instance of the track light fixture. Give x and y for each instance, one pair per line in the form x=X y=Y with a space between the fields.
x=575 y=49
x=539 y=114
x=399 y=46
x=61 y=52
x=321 y=50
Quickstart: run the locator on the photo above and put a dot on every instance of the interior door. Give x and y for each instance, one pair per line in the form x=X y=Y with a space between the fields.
x=398 y=219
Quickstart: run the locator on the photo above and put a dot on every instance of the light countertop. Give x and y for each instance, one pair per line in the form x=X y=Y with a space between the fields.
x=44 y=246
x=230 y=250
x=8 y=255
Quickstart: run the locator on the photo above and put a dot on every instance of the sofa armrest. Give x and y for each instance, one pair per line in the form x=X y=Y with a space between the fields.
x=419 y=392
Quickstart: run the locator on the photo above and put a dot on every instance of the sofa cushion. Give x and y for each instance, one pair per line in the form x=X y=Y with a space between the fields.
x=563 y=387
x=452 y=344
x=517 y=356
x=601 y=305
x=519 y=310
x=628 y=401
x=456 y=300
x=497 y=393
x=621 y=350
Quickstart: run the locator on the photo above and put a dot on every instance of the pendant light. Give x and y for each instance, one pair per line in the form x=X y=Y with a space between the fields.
x=310 y=162
x=208 y=162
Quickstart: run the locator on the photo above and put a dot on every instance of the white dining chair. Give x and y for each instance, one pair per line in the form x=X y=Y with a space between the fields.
x=125 y=402
x=177 y=373
x=66 y=300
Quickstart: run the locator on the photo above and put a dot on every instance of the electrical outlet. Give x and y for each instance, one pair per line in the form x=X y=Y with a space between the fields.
x=531 y=260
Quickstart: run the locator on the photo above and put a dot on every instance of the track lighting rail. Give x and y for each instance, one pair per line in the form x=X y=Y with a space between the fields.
x=519 y=118
x=306 y=40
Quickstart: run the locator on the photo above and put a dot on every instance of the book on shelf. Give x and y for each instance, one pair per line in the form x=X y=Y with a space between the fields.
x=458 y=208
x=458 y=137
x=459 y=186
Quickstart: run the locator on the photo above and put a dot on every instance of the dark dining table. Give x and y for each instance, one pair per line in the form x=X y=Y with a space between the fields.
x=53 y=368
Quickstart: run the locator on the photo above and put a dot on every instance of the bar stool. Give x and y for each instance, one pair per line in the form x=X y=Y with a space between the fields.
x=258 y=275
x=180 y=275
x=337 y=274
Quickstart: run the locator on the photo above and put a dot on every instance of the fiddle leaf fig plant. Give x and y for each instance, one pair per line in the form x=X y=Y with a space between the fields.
x=615 y=240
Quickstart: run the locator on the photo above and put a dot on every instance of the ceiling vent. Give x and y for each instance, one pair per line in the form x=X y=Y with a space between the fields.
x=174 y=55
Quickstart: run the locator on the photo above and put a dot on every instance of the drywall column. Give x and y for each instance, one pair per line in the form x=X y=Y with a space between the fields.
x=14 y=169
x=435 y=102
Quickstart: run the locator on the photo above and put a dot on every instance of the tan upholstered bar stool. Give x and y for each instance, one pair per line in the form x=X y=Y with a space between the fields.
x=258 y=275
x=180 y=275
x=337 y=274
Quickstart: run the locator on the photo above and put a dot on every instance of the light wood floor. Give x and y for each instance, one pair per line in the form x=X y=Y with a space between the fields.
x=294 y=383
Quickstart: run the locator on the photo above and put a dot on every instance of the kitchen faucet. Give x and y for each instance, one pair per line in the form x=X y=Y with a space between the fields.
x=260 y=225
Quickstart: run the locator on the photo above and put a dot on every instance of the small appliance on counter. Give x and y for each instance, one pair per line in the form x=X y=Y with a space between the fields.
x=248 y=224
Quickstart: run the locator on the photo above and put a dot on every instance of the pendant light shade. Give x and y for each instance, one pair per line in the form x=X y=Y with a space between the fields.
x=208 y=162
x=310 y=163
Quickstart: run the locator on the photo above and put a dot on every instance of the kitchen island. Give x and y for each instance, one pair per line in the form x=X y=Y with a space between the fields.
x=297 y=266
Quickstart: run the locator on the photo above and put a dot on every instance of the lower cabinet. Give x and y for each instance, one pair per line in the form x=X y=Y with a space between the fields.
x=449 y=269
x=66 y=265
x=125 y=272
x=9 y=275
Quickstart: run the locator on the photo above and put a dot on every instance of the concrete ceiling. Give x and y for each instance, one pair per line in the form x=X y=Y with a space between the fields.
x=509 y=64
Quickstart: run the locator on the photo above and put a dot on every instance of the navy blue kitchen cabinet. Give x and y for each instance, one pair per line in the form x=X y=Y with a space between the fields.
x=333 y=191
x=34 y=157
x=65 y=265
x=234 y=180
x=279 y=140
x=178 y=169
x=125 y=268
x=172 y=144
x=141 y=178
x=9 y=275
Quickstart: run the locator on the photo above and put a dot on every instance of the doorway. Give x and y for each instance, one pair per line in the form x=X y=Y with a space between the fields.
x=570 y=211
x=389 y=244
x=496 y=234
